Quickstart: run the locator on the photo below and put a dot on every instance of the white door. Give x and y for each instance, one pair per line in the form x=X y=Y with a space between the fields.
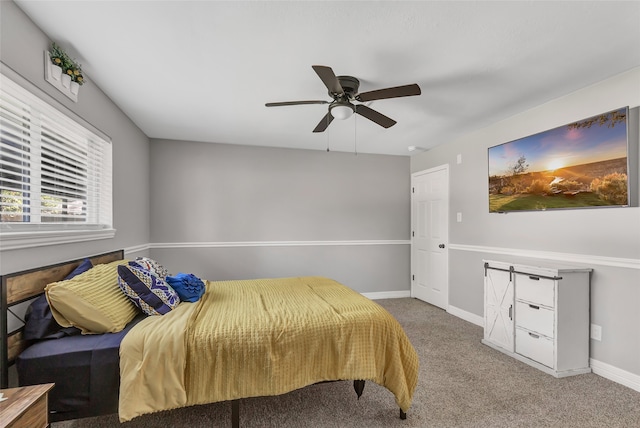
x=498 y=308
x=430 y=236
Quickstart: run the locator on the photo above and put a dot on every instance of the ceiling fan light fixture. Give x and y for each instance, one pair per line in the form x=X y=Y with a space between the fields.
x=341 y=111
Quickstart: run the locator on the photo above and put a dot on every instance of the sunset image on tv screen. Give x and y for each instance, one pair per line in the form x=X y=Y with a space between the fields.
x=582 y=164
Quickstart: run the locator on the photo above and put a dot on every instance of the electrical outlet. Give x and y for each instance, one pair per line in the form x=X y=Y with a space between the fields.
x=596 y=332
x=459 y=217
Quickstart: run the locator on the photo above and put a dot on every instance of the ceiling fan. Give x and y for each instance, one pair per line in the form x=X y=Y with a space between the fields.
x=344 y=91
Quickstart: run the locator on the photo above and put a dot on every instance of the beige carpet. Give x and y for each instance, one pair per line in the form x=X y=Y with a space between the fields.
x=462 y=384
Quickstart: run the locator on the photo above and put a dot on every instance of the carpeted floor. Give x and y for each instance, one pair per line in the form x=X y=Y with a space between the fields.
x=462 y=384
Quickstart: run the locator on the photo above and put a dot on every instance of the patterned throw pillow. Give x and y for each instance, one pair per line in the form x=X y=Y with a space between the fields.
x=152 y=266
x=146 y=290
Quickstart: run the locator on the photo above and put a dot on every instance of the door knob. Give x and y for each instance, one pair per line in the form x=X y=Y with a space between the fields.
x=441 y=246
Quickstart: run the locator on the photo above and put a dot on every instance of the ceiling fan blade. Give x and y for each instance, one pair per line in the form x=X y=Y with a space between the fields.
x=329 y=79
x=322 y=125
x=295 y=103
x=395 y=92
x=371 y=114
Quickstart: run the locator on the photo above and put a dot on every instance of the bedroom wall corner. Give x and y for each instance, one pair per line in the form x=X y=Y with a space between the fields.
x=21 y=52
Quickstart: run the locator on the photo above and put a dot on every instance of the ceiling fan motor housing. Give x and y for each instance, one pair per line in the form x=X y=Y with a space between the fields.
x=349 y=85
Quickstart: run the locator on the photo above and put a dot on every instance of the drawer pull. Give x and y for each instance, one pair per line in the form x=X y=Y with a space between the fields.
x=535 y=336
x=534 y=306
x=535 y=278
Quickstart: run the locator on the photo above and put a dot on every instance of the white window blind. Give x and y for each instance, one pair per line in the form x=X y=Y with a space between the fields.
x=55 y=174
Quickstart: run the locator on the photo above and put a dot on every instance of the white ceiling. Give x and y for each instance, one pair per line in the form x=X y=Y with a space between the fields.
x=203 y=70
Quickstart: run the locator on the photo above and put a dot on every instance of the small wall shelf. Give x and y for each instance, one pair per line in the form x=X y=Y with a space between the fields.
x=53 y=74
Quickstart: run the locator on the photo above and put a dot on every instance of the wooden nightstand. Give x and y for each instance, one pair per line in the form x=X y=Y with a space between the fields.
x=26 y=406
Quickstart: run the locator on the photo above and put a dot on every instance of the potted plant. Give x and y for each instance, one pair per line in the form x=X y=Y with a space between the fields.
x=57 y=56
x=66 y=69
x=77 y=79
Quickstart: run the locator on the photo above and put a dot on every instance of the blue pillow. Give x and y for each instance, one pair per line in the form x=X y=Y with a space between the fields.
x=39 y=322
x=188 y=286
x=82 y=267
x=146 y=290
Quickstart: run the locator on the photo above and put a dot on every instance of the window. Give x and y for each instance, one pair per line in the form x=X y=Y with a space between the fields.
x=55 y=174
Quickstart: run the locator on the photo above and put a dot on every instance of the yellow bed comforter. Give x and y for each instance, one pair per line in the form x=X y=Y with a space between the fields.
x=262 y=337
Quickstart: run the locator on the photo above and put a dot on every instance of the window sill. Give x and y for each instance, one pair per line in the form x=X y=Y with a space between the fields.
x=20 y=240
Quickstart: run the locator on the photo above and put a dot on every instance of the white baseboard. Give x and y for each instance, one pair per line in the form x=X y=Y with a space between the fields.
x=387 y=294
x=467 y=316
x=615 y=374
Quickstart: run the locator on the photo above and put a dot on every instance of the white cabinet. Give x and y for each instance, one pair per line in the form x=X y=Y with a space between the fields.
x=538 y=312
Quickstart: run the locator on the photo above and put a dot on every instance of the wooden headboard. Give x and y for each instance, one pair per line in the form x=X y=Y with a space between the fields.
x=19 y=287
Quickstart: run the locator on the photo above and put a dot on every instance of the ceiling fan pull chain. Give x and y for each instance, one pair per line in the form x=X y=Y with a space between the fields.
x=355 y=135
x=328 y=121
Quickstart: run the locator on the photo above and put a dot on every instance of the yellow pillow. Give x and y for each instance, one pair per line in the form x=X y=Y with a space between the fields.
x=91 y=301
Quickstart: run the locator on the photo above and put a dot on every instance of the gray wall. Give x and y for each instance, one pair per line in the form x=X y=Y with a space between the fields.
x=226 y=211
x=21 y=50
x=606 y=239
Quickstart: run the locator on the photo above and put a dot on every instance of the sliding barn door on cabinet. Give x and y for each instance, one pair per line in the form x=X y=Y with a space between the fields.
x=498 y=308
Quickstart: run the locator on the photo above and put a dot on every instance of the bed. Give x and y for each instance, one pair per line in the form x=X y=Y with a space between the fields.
x=240 y=339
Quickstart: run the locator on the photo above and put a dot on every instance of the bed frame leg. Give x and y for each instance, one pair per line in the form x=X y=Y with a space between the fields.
x=403 y=415
x=235 y=413
x=358 y=385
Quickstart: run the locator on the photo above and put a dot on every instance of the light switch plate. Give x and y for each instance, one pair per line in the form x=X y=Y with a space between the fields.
x=596 y=332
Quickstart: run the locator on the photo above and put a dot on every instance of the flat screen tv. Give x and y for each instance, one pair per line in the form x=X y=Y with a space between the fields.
x=580 y=165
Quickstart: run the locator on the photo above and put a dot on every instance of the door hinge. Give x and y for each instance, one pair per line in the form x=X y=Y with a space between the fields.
x=413 y=277
x=413 y=190
x=413 y=233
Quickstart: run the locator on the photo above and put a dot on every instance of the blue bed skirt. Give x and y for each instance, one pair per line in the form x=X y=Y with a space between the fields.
x=84 y=368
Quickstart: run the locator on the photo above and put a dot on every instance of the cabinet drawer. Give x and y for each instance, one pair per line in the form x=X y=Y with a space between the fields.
x=534 y=346
x=535 y=289
x=535 y=318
